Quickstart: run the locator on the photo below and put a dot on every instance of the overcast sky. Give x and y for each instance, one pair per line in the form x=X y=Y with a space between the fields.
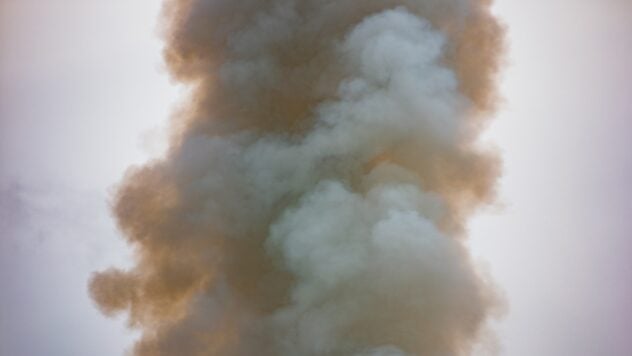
x=83 y=95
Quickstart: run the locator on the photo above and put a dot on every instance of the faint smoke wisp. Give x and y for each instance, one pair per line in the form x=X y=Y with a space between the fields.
x=314 y=197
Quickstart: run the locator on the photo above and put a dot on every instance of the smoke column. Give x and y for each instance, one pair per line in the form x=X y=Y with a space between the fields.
x=314 y=197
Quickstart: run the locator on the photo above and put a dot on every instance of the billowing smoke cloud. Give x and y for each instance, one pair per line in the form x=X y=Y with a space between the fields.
x=315 y=193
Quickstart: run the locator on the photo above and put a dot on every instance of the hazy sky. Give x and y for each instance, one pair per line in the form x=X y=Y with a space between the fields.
x=83 y=95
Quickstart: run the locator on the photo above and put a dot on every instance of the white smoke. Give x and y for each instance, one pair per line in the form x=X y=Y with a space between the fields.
x=313 y=199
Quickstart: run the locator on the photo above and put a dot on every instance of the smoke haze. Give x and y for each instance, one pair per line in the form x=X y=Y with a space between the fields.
x=315 y=194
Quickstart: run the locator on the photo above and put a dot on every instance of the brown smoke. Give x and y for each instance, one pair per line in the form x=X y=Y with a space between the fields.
x=314 y=196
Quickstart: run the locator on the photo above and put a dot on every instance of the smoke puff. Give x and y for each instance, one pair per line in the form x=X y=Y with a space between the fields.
x=315 y=193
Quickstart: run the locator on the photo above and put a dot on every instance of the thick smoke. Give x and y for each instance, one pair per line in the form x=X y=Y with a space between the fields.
x=314 y=197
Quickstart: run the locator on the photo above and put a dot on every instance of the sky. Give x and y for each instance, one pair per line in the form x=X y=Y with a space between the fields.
x=84 y=95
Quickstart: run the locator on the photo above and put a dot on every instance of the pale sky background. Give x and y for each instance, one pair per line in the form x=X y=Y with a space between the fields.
x=83 y=95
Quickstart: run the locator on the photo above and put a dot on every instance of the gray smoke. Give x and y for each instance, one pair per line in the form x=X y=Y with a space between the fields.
x=314 y=197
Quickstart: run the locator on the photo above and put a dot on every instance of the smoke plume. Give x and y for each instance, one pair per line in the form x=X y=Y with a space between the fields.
x=314 y=197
